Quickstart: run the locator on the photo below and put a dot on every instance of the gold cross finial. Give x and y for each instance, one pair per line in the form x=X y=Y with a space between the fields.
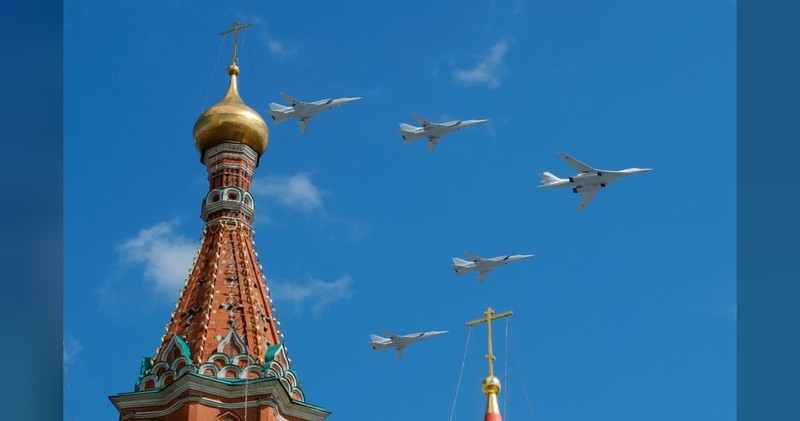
x=235 y=29
x=489 y=316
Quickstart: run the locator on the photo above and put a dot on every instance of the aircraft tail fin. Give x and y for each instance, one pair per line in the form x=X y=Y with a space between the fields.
x=458 y=264
x=406 y=127
x=376 y=338
x=407 y=131
x=457 y=261
x=278 y=107
x=548 y=178
x=278 y=112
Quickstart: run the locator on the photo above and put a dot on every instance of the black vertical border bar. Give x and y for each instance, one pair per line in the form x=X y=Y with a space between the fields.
x=768 y=201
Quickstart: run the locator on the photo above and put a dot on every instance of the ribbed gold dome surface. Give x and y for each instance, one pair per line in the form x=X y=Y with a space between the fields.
x=231 y=120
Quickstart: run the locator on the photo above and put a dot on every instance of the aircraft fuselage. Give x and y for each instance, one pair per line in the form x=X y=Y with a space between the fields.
x=379 y=343
x=439 y=129
x=486 y=265
x=310 y=109
x=591 y=180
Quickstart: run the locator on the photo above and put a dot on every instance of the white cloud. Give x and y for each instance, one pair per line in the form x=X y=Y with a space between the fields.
x=71 y=348
x=165 y=255
x=487 y=71
x=298 y=192
x=277 y=48
x=295 y=192
x=315 y=295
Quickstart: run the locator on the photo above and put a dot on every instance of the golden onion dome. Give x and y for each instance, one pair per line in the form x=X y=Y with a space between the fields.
x=490 y=385
x=231 y=120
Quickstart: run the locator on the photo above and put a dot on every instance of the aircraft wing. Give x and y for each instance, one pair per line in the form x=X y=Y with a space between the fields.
x=389 y=334
x=587 y=197
x=432 y=141
x=304 y=123
x=472 y=257
x=421 y=121
x=578 y=165
x=289 y=99
x=399 y=351
x=481 y=276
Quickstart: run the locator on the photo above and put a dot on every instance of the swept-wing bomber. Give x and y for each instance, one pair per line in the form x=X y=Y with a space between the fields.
x=483 y=266
x=400 y=342
x=433 y=131
x=588 y=180
x=305 y=111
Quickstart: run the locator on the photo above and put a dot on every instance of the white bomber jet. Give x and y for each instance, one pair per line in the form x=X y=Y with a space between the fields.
x=400 y=342
x=483 y=266
x=305 y=111
x=588 y=181
x=433 y=131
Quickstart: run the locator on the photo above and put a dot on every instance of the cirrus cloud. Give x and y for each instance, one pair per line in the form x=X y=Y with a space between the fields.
x=315 y=295
x=487 y=71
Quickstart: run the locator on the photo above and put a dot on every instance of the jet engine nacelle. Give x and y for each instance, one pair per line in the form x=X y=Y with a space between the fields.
x=582 y=189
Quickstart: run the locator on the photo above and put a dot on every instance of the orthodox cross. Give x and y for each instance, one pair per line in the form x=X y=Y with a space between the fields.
x=489 y=316
x=235 y=29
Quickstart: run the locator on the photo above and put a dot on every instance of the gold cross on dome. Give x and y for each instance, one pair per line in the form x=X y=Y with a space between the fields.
x=489 y=316
x=235 y=29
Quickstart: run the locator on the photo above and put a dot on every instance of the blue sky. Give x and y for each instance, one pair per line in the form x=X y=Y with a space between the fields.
x=628 y=310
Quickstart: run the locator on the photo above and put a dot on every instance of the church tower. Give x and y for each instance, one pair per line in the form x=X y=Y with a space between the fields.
x=223 y=356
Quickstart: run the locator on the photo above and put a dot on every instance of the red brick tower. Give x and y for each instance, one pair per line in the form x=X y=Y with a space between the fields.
x=223 y=356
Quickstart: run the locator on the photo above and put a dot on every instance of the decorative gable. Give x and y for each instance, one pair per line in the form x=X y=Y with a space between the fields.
x=279 y=365
x=173 y=363
x=231 y=360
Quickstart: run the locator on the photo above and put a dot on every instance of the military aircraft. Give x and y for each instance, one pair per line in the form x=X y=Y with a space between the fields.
x=433 y=131
x=399 y=342
x=305 y=111
x=588 y=181
x=483 y=266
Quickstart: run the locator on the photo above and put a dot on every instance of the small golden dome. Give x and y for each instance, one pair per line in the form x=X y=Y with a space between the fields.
x=231 y=120
x=490 y=384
